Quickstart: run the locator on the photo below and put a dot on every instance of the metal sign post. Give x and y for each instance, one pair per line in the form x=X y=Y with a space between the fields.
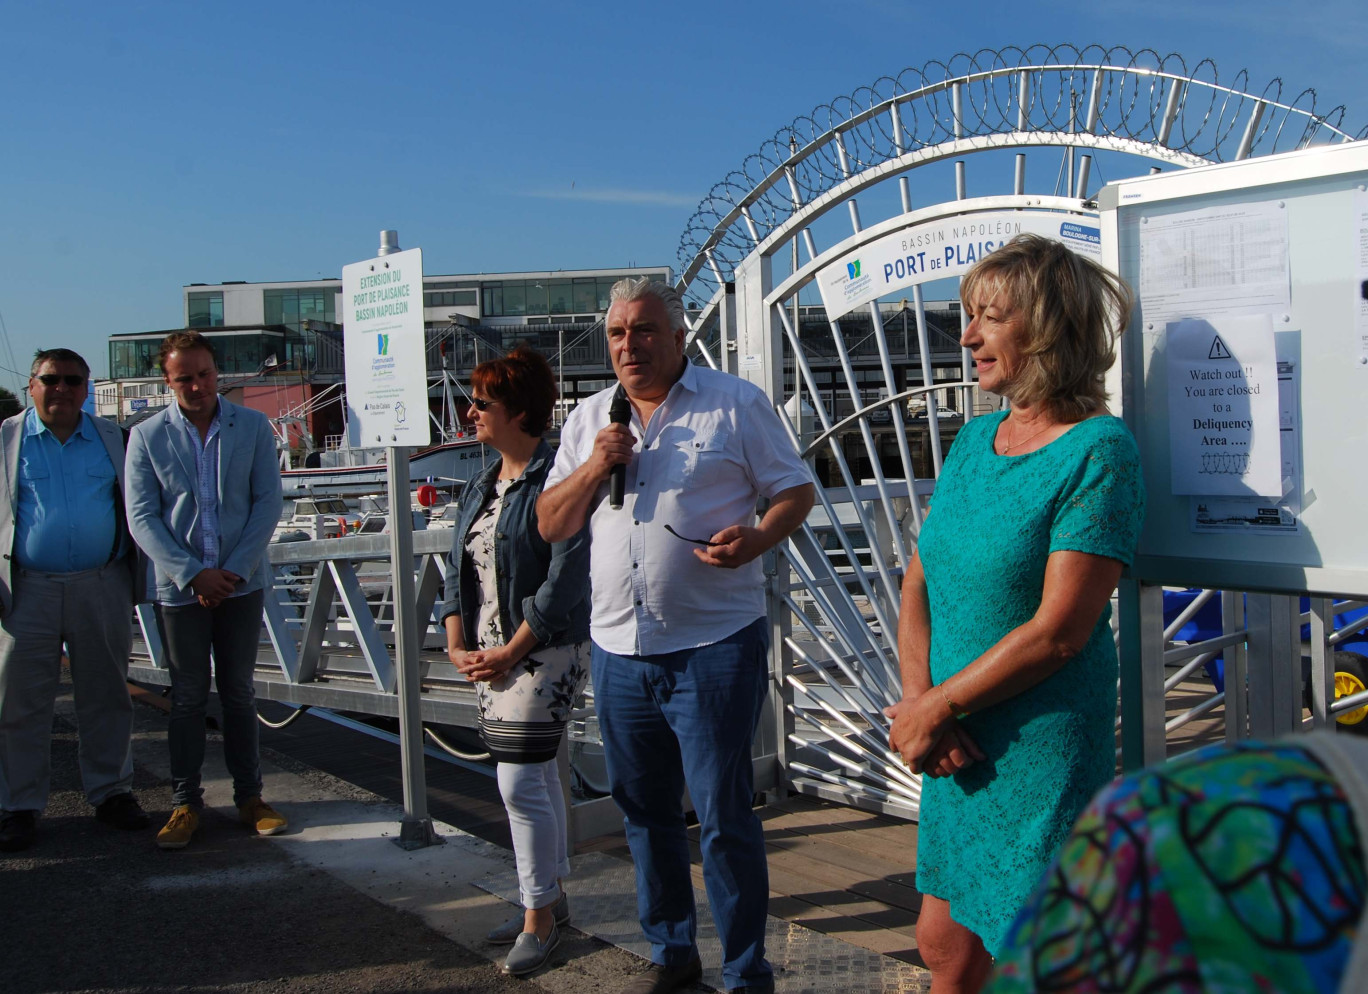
x=416 y=830
x=387 y=399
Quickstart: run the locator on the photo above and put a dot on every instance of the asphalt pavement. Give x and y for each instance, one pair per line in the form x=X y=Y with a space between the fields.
x=331 y=905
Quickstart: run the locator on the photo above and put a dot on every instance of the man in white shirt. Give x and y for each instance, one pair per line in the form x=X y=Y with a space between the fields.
x=678 y=621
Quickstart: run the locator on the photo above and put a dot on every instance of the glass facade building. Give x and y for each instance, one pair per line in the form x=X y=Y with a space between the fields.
x=246 y=351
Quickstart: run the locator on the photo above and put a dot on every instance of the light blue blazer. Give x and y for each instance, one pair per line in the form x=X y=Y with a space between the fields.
x=161 y=494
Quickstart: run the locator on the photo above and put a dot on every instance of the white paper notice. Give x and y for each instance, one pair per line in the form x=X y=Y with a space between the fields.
x=1214 y=261
x=1224 y=435
x=1361 y=278
x=1264 y=516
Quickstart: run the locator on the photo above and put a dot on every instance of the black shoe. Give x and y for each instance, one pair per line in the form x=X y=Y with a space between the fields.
x=18 y=829
x=122 y=811
x=664 y=979
x=761 y=988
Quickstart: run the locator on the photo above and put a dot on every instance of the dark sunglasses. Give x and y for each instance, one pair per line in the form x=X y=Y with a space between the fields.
x=480 y=404
x=52 y=379
x=695 y=541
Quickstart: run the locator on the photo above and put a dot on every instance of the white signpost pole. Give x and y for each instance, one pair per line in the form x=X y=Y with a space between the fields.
x=387 y=400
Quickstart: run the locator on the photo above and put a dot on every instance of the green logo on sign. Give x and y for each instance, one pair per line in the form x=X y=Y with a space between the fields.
x=382 y=344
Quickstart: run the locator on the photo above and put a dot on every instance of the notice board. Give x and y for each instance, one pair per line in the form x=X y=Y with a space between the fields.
x=1245 y=368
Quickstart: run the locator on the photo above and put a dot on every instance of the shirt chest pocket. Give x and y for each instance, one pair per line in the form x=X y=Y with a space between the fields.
x=698 y=461
x=33 y=469
x=101 y=474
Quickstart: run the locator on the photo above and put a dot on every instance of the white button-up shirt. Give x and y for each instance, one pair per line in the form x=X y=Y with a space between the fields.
x=710 y=451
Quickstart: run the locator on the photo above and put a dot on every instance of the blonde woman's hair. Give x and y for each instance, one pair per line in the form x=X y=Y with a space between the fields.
x=1072 y=311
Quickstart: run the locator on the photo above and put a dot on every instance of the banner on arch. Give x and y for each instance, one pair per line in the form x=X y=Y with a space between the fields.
x=941 y=249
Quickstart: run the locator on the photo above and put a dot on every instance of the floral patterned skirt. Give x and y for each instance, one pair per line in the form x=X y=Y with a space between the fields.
x=523 y=714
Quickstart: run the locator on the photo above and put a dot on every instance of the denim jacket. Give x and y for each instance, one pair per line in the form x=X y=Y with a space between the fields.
x=545 y=585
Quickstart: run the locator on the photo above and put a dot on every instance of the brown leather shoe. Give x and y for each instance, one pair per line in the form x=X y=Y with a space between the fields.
x=659 y=979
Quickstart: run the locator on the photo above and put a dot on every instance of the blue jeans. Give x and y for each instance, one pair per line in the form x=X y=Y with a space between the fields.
x=689 y=717
x=233 y=631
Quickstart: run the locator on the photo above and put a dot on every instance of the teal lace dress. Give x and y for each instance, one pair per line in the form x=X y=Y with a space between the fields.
x=987 y=834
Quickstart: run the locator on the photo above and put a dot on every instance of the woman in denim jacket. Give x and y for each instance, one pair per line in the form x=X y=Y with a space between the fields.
x=517 y=623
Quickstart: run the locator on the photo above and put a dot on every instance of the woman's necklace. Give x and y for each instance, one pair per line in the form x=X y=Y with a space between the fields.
x=1022 y=441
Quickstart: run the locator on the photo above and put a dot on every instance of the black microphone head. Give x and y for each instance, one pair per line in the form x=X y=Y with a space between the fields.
x=620 y=411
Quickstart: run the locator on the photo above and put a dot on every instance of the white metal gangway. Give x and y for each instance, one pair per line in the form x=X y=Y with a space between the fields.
x=993 y=137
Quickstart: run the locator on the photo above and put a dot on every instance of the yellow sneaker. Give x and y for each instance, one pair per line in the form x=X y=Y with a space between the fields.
x=175 y=834
x=256 y=813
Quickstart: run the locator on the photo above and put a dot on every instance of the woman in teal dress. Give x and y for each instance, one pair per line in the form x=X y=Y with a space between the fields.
x=1008 y=664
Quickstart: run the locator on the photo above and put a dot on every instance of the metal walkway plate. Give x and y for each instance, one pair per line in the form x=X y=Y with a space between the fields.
x=603 y=904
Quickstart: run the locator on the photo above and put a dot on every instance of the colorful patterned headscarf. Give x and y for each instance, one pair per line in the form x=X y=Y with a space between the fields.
x=1237 y=868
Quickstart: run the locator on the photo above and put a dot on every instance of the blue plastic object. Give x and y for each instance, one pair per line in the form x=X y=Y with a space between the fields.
x=1206 y=623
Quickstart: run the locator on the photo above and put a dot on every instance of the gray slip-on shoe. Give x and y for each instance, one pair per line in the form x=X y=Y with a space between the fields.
x=530 y=953
x=507 y=933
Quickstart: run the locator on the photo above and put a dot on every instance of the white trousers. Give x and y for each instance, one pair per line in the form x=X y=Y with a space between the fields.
x=536 y=815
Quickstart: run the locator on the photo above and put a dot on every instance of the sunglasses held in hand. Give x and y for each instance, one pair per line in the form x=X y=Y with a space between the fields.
x=695 y=541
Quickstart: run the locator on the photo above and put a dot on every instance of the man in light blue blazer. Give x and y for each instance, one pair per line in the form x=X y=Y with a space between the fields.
x=68 y=572
x=203 y=495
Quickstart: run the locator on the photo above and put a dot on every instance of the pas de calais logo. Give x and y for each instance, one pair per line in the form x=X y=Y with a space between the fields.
x=853 y=269
x=382 y=344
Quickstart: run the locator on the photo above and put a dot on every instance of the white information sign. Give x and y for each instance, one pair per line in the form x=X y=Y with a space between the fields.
x=940 y=249
x=1224 y=436
x=382 y=306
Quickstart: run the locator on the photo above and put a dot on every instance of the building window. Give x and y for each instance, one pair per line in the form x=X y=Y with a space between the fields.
x=204 y=310
x=559 y=297
x=584 y=297
x=514 y=298
x=525 y=298
x=536 y=297
x=449 y=298
x=131 y=359
x=293 y=307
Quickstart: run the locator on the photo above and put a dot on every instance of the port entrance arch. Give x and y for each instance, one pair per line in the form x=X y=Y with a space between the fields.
x=875 y=387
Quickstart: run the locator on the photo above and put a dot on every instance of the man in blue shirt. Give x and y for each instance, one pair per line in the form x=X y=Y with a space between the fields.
x=68 y=572
x=203 y=501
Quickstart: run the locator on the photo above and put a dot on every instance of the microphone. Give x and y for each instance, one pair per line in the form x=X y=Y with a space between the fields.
x=619 y=413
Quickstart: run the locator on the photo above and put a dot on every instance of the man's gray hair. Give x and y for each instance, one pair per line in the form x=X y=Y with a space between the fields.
x=630 y=289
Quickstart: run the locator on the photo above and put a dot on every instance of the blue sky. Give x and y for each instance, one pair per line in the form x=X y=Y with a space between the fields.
x=149 y=145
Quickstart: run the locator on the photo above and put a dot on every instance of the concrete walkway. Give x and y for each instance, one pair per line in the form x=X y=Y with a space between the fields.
x=332 y=905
